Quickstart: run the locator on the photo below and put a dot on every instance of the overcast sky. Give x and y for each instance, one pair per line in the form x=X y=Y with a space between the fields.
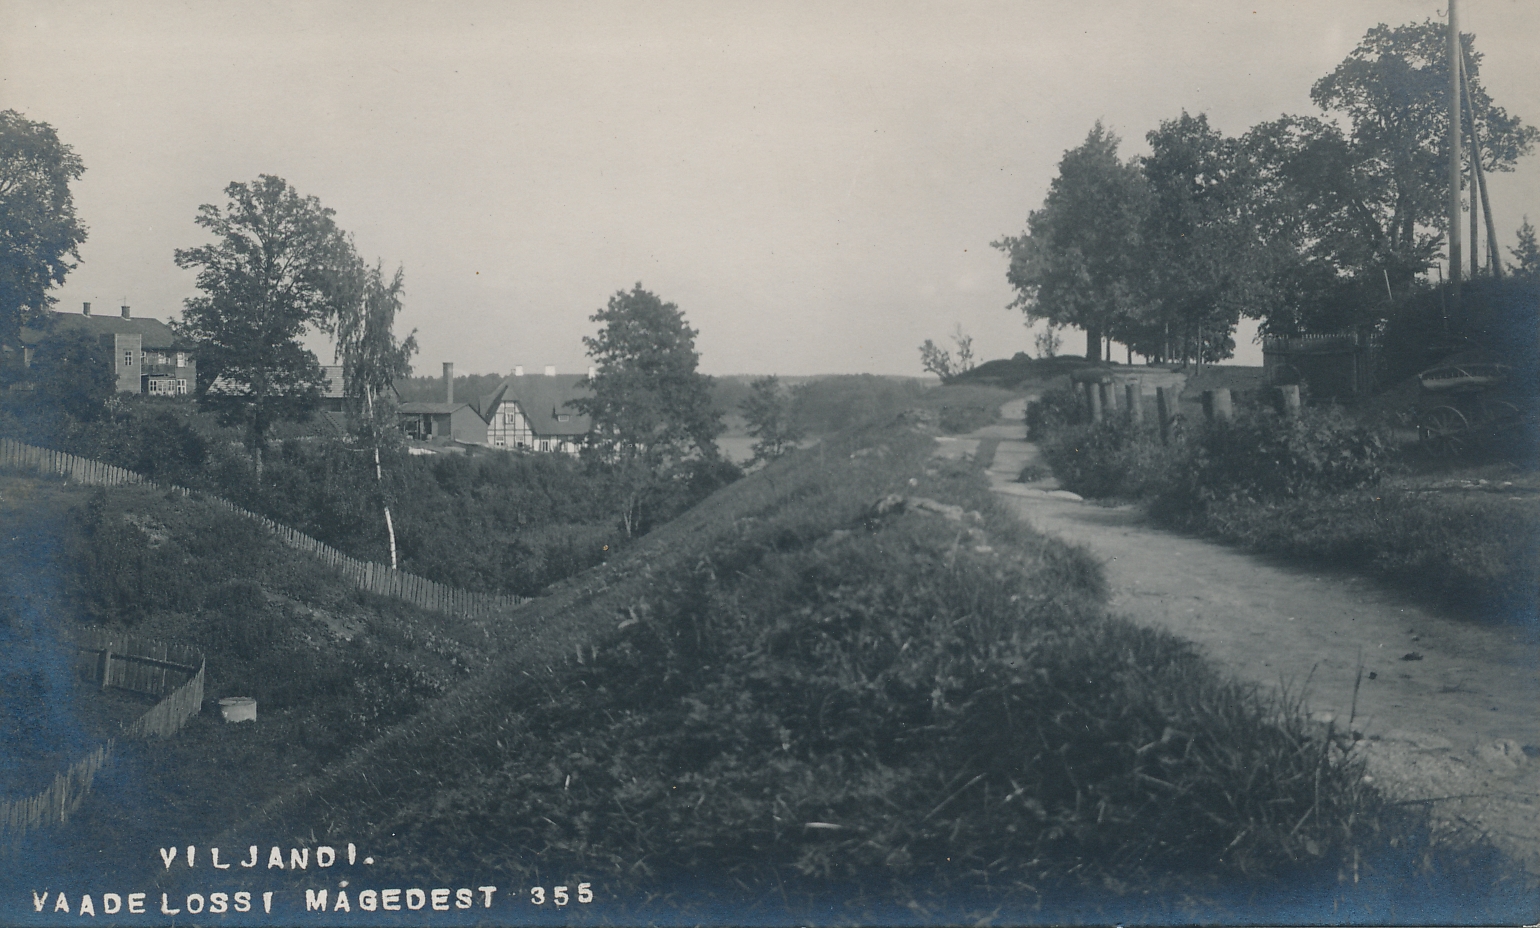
x=815 y=184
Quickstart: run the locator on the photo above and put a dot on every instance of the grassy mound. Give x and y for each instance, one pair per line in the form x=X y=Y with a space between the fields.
x=850 y=677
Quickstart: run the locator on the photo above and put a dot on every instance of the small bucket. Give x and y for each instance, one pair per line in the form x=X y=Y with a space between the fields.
x=238 y=709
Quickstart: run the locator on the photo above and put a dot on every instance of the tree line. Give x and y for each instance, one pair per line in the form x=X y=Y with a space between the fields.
x=1316 y=223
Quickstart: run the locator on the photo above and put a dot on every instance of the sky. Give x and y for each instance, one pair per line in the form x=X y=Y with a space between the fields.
x=815 y=184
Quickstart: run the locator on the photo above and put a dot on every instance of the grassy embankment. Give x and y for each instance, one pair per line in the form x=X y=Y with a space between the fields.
x=331 y=668
x=792 y=696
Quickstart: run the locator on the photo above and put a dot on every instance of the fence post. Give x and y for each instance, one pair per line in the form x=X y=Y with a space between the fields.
x=1290 y=393
x=1135 y=403
x=1216 y=405
x=1093 y=394
x=1165 y=409
x=1109 y=397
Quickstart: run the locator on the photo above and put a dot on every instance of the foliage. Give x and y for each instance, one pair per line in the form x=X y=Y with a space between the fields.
x=279 y=266
x=937 y=360
x=1077 y=262
x=785 y=691
x=1266 y=456
x=1112 y=459
x=647 y=399
x=73 y=372
x=1526 y=253
x=372 y=359
x=1498 y=319
x=1047 y=342
x=767 y=410
x=1474 y=552
x=1204 y=264
x=40 y=235
x=1052 y=410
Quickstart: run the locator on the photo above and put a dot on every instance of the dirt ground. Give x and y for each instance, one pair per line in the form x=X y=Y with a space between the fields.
x=1449 y=710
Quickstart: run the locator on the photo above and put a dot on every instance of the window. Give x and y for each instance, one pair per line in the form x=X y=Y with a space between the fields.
x=128 y=357
x=181 y=359
x=181 y=387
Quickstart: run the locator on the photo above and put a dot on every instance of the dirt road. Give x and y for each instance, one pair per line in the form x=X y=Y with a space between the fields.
x=1449 y=711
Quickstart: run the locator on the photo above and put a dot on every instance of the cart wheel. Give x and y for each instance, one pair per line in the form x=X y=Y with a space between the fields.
x=1445 y=430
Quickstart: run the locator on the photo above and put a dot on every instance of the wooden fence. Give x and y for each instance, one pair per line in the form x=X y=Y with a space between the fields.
x=138 y=664
x=55 y=804
x=366 y=575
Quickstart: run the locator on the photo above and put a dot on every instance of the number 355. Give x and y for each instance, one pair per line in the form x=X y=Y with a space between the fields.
x=559 y=896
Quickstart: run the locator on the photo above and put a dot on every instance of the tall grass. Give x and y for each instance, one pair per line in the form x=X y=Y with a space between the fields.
x=787 y=687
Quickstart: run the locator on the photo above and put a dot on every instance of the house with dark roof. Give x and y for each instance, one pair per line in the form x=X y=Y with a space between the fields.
x=147 y=356
x=535 y=413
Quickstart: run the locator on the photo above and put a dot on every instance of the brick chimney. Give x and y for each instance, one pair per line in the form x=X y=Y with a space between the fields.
x=85 y=309
x=518 y=370
x=550 y=370
x=125 y=312
x=449 y=381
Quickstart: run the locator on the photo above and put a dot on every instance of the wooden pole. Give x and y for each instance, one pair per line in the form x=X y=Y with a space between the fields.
x=1135 y=403
x=1094 y=394
x=1165 y=409
x=1454 y=157
x=1481 y=175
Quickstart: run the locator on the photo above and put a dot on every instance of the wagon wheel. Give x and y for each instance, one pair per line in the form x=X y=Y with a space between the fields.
x=1445 y=430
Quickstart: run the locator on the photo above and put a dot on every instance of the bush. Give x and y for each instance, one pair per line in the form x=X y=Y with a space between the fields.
x=1113 y=458
x=1054 y=409
x=1265 y=456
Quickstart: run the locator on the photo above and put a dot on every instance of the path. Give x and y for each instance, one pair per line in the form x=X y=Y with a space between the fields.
x=1455 y=721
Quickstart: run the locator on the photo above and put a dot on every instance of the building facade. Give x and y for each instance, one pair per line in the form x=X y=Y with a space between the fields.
x=147 y=356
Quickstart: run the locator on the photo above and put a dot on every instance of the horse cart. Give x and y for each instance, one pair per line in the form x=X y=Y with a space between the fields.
x=1466 y=405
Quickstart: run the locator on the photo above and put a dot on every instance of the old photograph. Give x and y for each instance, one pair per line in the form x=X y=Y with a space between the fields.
x=784 y=463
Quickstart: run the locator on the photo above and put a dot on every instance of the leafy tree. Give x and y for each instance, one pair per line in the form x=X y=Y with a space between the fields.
x=938 y=361
x=768 y=412
x=1205 y=263
x=1077 y=263
x=279 y=267
x=1527 y=253
x=1368 y=205
x=73 y=373
x=647 y=399
x=40 y=235
x=1048 y=342
x=372 y=360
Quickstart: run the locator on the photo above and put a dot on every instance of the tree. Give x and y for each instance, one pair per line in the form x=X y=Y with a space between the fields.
x=1368 y=206
x=279 y=267
x=40 y=235
x=1205 y=261
x=938 y=361
x=372 y=361
x=647 y=399
x=73 y=373
x=1077 y=263
x=1527 y=254
x=768 y=412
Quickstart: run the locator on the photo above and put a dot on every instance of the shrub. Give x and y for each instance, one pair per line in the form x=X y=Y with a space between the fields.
x=1054 y=409
x=1265 y=456
x=1112 y=458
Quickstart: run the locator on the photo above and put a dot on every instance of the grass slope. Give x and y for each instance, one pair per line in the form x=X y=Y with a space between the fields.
x=790 y=699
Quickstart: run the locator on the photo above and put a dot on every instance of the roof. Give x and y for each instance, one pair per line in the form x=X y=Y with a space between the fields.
x=435 y=409
x=155 y=335
x=544 y=399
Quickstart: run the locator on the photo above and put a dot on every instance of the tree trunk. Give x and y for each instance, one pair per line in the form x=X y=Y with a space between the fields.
x=1093 y=343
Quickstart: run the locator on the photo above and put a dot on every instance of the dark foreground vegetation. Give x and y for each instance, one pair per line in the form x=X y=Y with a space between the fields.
x=824 y=687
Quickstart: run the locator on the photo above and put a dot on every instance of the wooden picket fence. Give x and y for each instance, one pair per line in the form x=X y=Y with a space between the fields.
x=124 y=661
x=55 y=804
x=365 y=575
